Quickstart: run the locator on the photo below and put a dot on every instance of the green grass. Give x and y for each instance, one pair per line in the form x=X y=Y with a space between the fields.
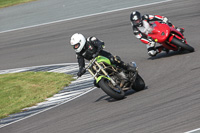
x=21 y=90
x=6 y=3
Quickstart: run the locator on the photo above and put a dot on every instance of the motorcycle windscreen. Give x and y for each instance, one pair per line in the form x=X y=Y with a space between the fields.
x=103 y=59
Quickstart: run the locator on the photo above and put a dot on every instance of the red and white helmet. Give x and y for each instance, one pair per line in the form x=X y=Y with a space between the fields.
x=78 y=42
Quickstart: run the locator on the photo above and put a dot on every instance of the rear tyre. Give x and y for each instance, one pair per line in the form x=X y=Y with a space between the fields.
x=181 y=44
x=114 y=92
x=139 y=84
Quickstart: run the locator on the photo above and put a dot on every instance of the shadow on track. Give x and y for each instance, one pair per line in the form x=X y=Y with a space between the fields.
x=127 y=93
x=165 y=55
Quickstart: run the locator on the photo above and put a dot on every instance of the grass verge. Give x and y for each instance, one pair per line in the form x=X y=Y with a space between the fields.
x=6 y=3
x=21 y=90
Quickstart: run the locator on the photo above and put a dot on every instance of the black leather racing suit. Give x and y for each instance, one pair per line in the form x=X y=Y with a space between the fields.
x=92 y=48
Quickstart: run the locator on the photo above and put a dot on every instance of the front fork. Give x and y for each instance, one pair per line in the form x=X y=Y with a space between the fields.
x=104 y=72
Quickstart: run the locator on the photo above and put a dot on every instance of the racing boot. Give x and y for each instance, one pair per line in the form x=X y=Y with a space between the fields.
x=123 y=65
x=127 y=66
x=152 y=51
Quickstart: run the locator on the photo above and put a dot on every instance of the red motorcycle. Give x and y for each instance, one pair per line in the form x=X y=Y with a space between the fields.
x=169 y=37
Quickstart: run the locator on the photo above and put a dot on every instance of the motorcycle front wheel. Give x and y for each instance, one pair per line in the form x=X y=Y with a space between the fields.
x=181 y=44
x=114 y=92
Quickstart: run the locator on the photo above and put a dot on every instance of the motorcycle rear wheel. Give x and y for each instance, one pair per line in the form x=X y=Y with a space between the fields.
x=116 y=93
x=139 y=84
x=181 y=44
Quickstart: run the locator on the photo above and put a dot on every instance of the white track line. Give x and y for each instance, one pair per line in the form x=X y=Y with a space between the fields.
x=194 y=131
x=67 y=94
x=83 y=16
x=23 y=69
x=48 y=108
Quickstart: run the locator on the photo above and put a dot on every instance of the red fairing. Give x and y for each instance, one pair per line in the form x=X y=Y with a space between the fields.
x=160 y=32
x=177 y=34
x=169 y=37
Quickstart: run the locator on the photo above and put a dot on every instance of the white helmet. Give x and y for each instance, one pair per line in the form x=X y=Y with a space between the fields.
x=78 y=42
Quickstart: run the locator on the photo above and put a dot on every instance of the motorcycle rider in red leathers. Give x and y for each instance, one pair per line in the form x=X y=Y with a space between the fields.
x=141 y=28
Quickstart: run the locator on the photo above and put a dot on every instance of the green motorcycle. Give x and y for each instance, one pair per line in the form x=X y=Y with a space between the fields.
x=114 y=81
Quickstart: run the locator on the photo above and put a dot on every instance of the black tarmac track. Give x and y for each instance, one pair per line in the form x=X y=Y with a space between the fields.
x=171 y=102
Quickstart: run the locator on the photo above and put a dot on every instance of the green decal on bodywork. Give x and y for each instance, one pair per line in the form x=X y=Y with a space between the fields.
x=103 y=59
x=100 y=77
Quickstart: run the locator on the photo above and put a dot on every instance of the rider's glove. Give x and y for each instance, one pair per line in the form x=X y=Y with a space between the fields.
x=81 y=72
x=165 y=20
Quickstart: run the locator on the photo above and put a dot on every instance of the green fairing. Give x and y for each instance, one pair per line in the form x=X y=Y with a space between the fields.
x=103 y=59
x=100 y=77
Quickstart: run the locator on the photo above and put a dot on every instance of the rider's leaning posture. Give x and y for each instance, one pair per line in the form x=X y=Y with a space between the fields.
x=91 y=47
x=141 y=28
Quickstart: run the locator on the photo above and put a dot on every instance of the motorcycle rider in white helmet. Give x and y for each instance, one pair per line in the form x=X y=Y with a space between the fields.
x=91 y=47
x=141 y=28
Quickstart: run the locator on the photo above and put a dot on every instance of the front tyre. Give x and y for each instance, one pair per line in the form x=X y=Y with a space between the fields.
x=139 y=84
x=114 y=92
x=181 y=44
